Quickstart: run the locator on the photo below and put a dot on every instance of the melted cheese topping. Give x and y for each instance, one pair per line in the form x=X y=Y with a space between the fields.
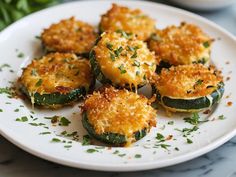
x=179 y=45
x=56 y=73
x=133 y=64
x=119 y=111
x=131 y=21
x=188 y=81
x=69 y=36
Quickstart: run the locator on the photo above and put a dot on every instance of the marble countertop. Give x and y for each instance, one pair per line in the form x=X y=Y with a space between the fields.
x=218 y=163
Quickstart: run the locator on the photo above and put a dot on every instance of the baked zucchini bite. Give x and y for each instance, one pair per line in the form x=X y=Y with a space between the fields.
x=69 y=35
x=189 y=88
x=56 y=79
x=181 y=45
x=122 y=60
x=117 y=117
x=131 y=21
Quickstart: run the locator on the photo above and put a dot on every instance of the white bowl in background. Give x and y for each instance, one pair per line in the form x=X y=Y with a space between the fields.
x=204 y=4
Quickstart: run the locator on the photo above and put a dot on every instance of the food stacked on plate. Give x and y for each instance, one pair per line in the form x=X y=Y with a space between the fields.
x=127 y=53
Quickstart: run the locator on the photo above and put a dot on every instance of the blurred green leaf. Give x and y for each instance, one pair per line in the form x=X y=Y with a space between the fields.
x=12 y=10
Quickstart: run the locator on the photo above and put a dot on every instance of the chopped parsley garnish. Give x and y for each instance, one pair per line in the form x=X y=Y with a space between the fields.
x=197 y=83
x=122 y=155
x=164 y=146
x=55 y=140
x=64 y=121
x=45 y=133
x=144 y=77
x=38 y=37
x=177 y=149
x=39 y=83
x=73 y=134
x=170 y=123
x=194 y=120
x=137 y=73
x=33 y=124
x=187 y=131
x=221 y=117
x=112 y=56
x=67 y=146
x=131 y=48
x=109 y=46
x=22 y=119
x=91 y=150
x=206 y=44
x=121 y=68
x=134 y=55
x=116 y=152
x=189 y=141
x=86 y=140
x=123 y=34
x=160 y=137
x=4 y=66
x=34 y=72
x=136 y=63
x=16 y=110
x=7 y=90
x=137 y=156
x=118 y=51
x=20 y=55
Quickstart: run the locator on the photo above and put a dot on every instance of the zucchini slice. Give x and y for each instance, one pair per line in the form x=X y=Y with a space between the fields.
x=188 y=88
x=131 y=21
x=181 y=45
x=120 y=59
x=69 y=35
x=111 y=138
x=56 y=79
x=117 y=117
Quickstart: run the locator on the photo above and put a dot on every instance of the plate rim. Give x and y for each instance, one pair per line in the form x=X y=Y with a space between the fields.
x=124 y=167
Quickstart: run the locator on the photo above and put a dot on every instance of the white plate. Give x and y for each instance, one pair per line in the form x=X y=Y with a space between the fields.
x=21 y=36
x=205 y=4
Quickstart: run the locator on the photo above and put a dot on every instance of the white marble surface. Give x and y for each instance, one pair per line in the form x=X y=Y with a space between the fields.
x=218 y=163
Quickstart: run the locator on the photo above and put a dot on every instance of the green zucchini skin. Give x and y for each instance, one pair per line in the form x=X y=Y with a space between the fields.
x=110 y=138
x=191 y=105
x=57 y=99
x=101 y=77
x=96 y=69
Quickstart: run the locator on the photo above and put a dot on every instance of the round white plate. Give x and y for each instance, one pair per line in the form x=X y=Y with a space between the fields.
x=20 y=38
x=205 y=4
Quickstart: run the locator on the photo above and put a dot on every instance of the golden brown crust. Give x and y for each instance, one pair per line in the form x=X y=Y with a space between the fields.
x=188 y=81
x=131 y=21
x=132 y=65
x=69 y=35
x=56 y=72
x=179 y=45
x=119 y=111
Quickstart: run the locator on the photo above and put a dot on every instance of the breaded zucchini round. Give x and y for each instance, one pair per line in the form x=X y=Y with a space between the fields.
x=189 y=88
x=181 y=45
x=130 y=21
x=122 y=60
x=69 y=35
x=117 y=117
x=56 y=79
